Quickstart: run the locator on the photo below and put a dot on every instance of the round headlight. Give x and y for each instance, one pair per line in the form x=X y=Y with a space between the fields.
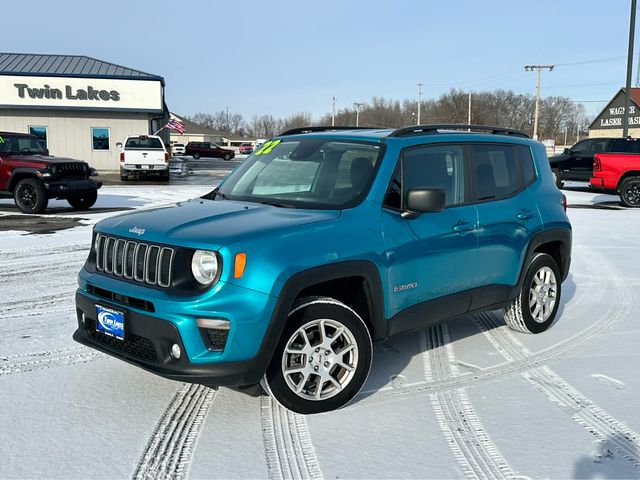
x=204 y=266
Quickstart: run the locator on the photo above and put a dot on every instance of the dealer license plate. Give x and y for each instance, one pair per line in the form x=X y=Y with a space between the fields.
x=110 y=322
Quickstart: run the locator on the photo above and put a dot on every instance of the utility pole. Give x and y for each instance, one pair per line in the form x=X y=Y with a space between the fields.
x=357 y=107
x=228 y=126
x=333 y=111
x=627 y=93
x=565 y=135
x=577 y=128
x=538 y=68
x=420 y=85
x=469 y=117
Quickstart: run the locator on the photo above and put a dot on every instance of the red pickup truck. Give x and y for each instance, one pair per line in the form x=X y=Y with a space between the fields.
x=618 y=173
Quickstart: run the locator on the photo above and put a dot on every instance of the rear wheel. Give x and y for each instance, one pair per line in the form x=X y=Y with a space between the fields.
x=535 y=307
x=557 y=177
x=123 y=176
x=165 y=177
x=323 y=358
x=196 y=155
x=630 y=192
x=30 y=196
x=84 y=201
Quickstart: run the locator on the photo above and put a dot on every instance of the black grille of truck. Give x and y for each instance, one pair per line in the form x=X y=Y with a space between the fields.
x=71 y=171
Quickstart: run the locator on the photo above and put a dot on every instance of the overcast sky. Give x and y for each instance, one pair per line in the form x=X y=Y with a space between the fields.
x=282 y=57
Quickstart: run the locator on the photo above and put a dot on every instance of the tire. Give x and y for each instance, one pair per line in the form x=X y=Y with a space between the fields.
x=124 y=177
x=541 y=290
x=630 y=192
x=350 y=369
x=164 y=177
x=85 y=201
x=557 y=178
x=196 y=155
x=227 y=157
x=30 y=196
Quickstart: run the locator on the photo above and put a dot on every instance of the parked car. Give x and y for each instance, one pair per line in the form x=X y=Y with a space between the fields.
x=618 y=173
x=143 y=155
x=321 y=243
x=576 y=163
x=208 y=149
x=31 y=176
x=177 y=149
x=245 y=148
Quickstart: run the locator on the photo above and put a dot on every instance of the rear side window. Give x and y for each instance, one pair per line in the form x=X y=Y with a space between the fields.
x=496 y=171
x=622 y=145
x=524 y=158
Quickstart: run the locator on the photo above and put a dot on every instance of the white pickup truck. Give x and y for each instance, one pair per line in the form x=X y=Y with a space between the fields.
x=143 y=155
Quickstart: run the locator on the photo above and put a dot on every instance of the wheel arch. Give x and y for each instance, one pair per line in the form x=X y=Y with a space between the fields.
x=21 y=173
x=556 y=243
x=625 y=175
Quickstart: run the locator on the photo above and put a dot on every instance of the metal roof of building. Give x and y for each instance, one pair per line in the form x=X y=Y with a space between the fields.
x=47 y=65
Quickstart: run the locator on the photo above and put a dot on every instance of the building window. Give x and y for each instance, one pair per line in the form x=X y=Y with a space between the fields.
x=41 y=133
x=100 y=138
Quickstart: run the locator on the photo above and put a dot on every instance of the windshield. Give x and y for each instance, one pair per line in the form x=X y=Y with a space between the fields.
x=308 y=173
x=144 y=143
x=16 y=144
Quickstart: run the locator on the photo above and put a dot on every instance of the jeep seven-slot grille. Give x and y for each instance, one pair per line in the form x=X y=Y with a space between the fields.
x=71 y=171
x=132 y=260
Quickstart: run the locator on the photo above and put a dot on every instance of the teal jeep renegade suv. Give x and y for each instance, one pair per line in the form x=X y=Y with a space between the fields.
x=323 y=241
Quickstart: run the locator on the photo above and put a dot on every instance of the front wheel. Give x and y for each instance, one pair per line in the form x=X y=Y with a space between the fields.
x=84 y=201
x=227 y=157
x=323 y=358
x=30 y=196
x=535 y=307
x=630 y=192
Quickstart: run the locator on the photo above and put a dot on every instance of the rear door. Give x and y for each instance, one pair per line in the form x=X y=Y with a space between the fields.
x=433 y=255
x=507 y=211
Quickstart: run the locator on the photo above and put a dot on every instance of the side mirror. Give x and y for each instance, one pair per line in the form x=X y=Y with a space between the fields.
x=567 y=151
x=423 y=200
x=45 y=152
x=119 y=144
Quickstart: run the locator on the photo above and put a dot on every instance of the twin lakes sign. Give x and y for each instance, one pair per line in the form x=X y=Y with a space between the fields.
x=83 y=93
x=611 y=117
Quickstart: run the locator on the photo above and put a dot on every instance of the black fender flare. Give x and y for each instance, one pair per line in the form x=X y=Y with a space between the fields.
x=562 y=235
x=313 y=276
x=21 y=172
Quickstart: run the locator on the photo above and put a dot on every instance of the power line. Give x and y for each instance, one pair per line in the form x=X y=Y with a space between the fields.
x=586 y=62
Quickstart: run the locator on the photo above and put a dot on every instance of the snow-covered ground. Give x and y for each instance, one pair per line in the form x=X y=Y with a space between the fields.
x=465 y=399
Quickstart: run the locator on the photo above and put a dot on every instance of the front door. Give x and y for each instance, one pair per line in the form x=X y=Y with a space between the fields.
x=433 y=255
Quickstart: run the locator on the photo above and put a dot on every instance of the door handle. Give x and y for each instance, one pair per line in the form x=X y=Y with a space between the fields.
x=525 y=214
x=464 y=227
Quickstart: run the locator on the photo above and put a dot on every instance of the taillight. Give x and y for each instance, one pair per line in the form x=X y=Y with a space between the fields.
x=564 y=203
x=597 y=166
x=122 y=156
x=166 y=157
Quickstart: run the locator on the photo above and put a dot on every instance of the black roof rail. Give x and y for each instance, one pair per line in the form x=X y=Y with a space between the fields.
x=433 y=129
x=296 y=131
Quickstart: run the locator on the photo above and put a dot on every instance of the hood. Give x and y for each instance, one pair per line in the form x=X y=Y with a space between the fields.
x=41 y=159
x=209 y=224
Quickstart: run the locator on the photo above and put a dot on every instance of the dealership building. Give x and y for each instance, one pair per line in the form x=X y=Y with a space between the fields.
x=78 y=106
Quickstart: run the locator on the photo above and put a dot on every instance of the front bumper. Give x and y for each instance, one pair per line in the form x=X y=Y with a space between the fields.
x=147 y=345
x=68 y=188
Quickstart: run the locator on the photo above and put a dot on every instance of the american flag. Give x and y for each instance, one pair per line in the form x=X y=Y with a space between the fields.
x=177 y=125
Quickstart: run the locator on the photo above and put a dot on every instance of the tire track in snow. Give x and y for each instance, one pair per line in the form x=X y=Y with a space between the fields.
x=621 y=305
x=611 y=432
x=288 y=449
x=18 y=253
x=29 y=362
x=169 y=450
x=470 y=445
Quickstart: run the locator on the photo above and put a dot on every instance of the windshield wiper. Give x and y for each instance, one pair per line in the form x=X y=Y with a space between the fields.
x=278 y=204
x=214 y=193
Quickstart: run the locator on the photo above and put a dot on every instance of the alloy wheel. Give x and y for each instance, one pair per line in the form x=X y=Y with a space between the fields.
x=543 y=294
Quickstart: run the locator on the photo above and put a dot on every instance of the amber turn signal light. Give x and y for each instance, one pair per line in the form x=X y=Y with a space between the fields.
x=241 y=263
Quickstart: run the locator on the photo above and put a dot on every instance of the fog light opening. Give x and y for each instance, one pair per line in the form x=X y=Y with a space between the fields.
x=175 y=351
